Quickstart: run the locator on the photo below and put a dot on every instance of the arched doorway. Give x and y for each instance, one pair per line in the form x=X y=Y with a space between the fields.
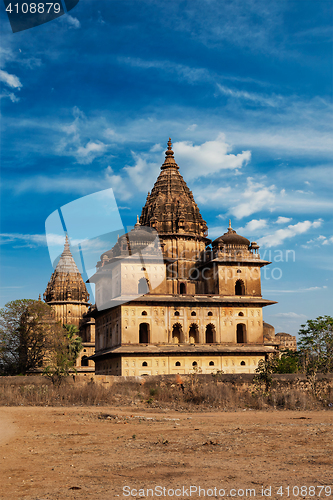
x=241 y=333
x=210 y=331
x=193 y=334
x=84 y=361
x=177 y=333
x=182 y=289
x=144 y=333
x=239 y=287
x=143 y=286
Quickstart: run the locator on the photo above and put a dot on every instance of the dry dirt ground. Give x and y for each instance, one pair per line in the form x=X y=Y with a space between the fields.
x=93 y=453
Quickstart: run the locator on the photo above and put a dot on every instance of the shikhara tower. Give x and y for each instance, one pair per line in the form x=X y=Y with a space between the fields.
x=205 y=311
x=67 y=294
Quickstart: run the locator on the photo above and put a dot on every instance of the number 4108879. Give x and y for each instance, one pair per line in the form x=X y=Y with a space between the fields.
x=34 y=8
x=302 y=491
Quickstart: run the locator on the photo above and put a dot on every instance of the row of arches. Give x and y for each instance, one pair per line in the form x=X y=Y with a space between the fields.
x=194 y=363
x=178 y=336
x=239 y=288
x=143 y=287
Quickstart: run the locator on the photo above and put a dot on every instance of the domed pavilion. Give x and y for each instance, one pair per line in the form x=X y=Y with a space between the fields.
x=169 y=300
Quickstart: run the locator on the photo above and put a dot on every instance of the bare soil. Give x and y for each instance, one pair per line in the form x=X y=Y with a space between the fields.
x=93 y=453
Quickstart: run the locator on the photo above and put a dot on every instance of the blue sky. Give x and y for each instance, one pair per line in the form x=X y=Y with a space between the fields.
x=243 y=87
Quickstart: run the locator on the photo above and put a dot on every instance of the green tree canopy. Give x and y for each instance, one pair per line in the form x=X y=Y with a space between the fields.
x=316 y=344
x=61 y=361
x=27 y=331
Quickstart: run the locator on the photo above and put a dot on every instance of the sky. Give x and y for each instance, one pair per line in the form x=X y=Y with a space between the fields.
x=243 y=88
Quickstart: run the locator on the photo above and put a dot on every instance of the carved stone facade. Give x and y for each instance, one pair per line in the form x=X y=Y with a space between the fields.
x=67 y=294
x=286 y=341
x=199 y=307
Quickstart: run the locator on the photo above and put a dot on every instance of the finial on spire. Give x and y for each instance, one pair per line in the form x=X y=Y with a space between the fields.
x=66 y=246
x=229 y=223
x=230 y=230
x=137 y=222
x=169 y=158
x=39 y=298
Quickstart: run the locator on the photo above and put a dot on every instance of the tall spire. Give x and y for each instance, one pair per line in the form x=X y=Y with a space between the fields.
x=66 y=262
x=137 y=221
x=66 y=283
x=169 y=158
x=170 y=208
x=66 y=250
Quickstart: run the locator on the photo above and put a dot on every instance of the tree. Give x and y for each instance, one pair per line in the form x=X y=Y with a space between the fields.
x=316 y=344
x=264 y=373
x=289 y=362
x=27 y=330
x=61 y=361
x=74 y=342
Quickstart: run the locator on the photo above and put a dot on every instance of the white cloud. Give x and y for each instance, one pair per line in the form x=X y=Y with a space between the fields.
x=298 y=290
x=86 y=154
x=290 y=315
x=75 y=142
x=277 y=238
x=317 y=242
x=73 y=22
x=10 y=80
x=273 y=101
x=212 y=194
x=31 y=240
x=157 y=148
x=10 y=96
x=192 y=127
x=142 y=174
x=208 y=158
x=253 y=226
x=257 y=196
x=283 y=220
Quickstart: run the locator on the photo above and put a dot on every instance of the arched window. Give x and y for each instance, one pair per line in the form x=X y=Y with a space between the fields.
x=182 y=289
x=176 y=313
x=193 y=313
x=241 y=333
x=239 y=287
x=193 y=334
x=210 y=330
x=177 y=333
x=240 y=314
x=143 y=286
x=84 y=361
x=210 y=313
x=145 y=363
x=177 y=363
x=144 y=333
x=211 y=363
x=194 y=363
x=243 y=363
x=144 y=313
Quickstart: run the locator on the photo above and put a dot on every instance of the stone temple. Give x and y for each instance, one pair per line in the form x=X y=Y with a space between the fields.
x=67 y=294
x=170 y=300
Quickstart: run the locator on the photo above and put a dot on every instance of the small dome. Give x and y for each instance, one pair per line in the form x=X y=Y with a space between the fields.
x=141 y=233
x=254 y=245
x=269 y=332
x=231 y=238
